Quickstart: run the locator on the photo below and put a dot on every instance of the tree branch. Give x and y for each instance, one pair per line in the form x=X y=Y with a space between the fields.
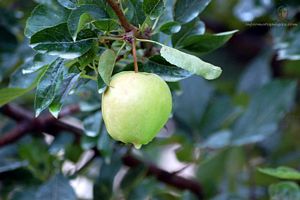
x=47 y=123
x=124 y=23
x=166 y=177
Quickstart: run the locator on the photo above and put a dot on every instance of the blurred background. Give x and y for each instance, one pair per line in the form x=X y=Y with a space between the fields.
x=230 y=135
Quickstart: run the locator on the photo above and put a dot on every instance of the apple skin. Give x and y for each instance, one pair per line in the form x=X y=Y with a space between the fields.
x=136 y=106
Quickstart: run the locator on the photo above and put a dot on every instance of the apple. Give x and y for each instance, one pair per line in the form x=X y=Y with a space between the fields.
x=135 y=107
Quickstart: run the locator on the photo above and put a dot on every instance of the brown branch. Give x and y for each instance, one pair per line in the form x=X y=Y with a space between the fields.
x=166 y=177
x=136 y=68
x=49 y=124
x=124 y=22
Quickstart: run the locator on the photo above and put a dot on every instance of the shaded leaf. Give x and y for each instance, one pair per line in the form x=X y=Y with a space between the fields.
x=195 y=27
x=82 y=15
x=267 y=107
x=199 y=44
x=186 y=10
x=70 y=4
x=257 y=74
x=68 y=82
x=153 y=8
x=170 y=28
x=57 y=188
x=92 y=124
x=9 y=94
x=45 y=16
x=159 y=66
x=48 y=86
x=106 y=24
x=62 y=44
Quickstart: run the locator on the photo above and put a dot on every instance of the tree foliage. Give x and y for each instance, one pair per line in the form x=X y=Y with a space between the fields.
x=232 y=68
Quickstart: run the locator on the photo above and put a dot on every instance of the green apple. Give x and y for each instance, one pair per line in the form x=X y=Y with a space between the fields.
x=135 y=107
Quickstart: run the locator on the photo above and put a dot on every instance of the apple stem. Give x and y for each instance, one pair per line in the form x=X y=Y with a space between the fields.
x=136 y=67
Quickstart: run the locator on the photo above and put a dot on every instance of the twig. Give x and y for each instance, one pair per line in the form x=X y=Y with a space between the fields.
x=166 y=177
x=136 y=68
x=124 y=23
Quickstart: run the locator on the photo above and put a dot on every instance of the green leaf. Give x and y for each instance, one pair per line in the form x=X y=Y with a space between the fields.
x=257 y=73
x=267 y=107
x=195 y=27
x=281 y=172
x=106 y=24
x=186 y=10
x=92 y=124
x=45 y=16
x=101 y=85
x=191 y=104
x=48 y=86
x=106 y=65
x=288 y=45
x=62 y=44
x=82 y=15
x=153 y=8
x=135 y=12
x=284 y=191
x=57 y=188
x=9 y=94
x=70 y=4
x=37 y=62
x=159 y=66
x=68 y=82
x=170 y=28
x=199 y=44
x=103 y=188
x=191 y=63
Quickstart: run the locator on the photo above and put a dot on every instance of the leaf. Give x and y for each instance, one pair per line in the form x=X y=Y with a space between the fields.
x=103 y=188
x=191 y=63
x=57 y=188
x=37 y=62
x=68 y=82
x=186 y=10
x=267 y=107
x=153 y=8
x=195 y=27
x=284 y=191
x=12 y=165
x=62 y=44
x=70 y=4
x=106 y=65
x=106 y=24
x=191 y=104
x=135 y=12
x=45 y=16
x=82 y=15
x=257 y=74
x=159 y=66
x=281 y=172
x=170 y=28
x=48 y=86
x=92 y=124
x=288 y=46
x=9 y=94
x=199 y=44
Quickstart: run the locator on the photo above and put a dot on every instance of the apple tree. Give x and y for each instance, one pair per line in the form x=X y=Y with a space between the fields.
x=149 y=99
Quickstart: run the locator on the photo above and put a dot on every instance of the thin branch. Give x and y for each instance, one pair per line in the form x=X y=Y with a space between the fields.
x=166 y=177
x=47 y=123
x=136 y=68
x=124 y=22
